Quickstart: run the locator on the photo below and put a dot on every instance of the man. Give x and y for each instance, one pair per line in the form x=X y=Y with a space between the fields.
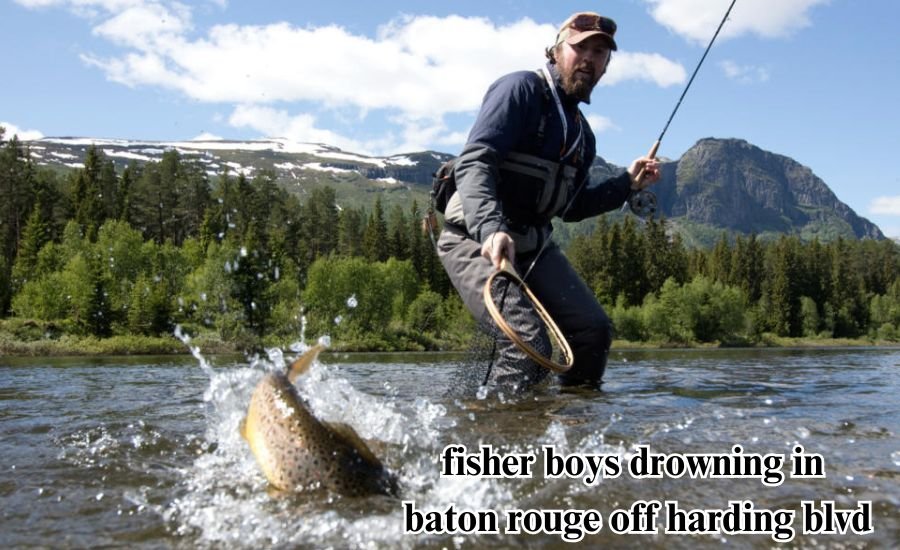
x=526 y=161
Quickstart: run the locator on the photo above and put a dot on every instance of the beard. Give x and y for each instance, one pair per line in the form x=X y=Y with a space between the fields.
x=578 y=82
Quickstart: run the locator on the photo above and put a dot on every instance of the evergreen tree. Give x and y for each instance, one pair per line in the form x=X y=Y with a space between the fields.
x=123 y=194
x=351 y=225
x=35 y=236
x=90 y=210
x=194 y=199
x=252 y=278
x=16 y=197
x=375 y=242
x=108 y=183
x=631 y=274
x=719 y=265
x=748 y=267
x=847 y=304
x=783 y=287
x=398 y=234
x=319 y=220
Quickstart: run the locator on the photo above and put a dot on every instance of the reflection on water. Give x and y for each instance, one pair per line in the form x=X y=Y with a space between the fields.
x=140 y=452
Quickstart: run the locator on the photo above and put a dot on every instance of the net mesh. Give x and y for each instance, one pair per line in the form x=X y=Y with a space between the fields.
x=495 y=361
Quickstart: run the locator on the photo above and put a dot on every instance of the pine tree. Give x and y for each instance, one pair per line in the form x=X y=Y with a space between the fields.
x=35 y=236
x=375 y=245
x=632 y=273
x=88 y=196
x=748 y=267
x=350 y=232
x=783 y=288
x=16 y=195
x=398 y=236
x=848 y=303
x=719 y=266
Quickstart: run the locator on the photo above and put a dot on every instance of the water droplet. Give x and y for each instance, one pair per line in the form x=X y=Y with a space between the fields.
x=352 y=302
x=482 y=393
x=803 y=433
x=338 y=319
x=895 y=456
x=99 y=496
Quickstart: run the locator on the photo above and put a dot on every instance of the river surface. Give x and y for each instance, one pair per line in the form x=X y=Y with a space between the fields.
x=145 y=452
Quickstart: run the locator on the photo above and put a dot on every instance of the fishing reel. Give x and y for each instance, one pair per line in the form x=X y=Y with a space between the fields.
x=643 y=203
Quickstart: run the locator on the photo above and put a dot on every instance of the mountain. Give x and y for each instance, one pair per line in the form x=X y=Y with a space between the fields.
x=731 y=185
x=717 y=185
x=298 y=166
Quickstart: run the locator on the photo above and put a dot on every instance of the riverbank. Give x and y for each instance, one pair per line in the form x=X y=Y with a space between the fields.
x=34 y=340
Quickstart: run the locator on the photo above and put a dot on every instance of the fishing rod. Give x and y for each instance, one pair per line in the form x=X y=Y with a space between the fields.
x=642 y=201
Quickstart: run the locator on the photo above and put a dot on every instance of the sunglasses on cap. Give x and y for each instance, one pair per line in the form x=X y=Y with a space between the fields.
x=592 y=22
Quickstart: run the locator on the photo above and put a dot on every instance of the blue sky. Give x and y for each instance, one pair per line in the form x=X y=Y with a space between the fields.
x=815 y=80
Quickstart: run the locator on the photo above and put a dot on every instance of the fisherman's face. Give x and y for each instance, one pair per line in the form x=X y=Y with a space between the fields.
x=581 y=66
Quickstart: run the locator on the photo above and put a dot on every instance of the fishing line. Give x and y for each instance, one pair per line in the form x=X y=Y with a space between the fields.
x=652 y=153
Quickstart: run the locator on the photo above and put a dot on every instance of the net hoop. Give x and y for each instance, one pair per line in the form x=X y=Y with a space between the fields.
x=507 y=271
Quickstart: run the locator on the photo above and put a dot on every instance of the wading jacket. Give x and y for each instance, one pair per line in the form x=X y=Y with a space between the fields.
x=519 y=116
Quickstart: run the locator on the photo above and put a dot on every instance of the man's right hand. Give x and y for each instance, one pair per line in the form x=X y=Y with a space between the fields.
x=497 y=246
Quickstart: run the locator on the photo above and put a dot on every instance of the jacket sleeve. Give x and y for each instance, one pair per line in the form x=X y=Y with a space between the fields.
x=593 y=200
x=510 y=108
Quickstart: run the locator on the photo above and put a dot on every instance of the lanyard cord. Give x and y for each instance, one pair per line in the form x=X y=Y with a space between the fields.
x=562 y=117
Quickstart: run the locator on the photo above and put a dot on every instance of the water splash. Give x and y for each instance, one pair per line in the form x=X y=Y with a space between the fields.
x=224 y=500
x=195 y=351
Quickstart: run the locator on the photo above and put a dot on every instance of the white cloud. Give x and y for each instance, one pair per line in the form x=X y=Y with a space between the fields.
x=416 y=69
x=13 y=130
x=697 y=20
x=885 y=205
x=650 y=67
x=206 y=136
x=145 y=26
x=745 y=74
x=280 y=124
x=600 y=124
x=417 y=66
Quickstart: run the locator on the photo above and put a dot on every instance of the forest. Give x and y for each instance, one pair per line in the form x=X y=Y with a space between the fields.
x=94 y=255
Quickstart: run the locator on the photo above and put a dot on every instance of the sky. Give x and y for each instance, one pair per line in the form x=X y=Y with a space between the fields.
x=815 y=80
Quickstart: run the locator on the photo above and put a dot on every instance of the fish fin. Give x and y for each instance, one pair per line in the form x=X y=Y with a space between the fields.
x=349 y=435
x=302 y=363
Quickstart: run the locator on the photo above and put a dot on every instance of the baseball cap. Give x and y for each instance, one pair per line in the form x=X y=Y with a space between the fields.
x=585 y=24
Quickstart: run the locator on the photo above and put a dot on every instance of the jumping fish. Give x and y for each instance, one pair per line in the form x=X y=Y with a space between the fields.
x=297 y=452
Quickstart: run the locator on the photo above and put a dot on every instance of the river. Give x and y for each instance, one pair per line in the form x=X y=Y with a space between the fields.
x=145 y=453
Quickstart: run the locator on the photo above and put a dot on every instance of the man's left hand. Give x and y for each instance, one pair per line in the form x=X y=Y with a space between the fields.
x=650 y=175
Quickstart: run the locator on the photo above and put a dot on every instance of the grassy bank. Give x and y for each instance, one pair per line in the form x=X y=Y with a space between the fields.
x=31 y=338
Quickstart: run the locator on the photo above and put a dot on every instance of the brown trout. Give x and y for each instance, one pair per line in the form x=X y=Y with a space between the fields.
x=298 y=452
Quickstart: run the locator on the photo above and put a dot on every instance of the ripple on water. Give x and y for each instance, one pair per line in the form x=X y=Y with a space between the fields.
x=164 y=465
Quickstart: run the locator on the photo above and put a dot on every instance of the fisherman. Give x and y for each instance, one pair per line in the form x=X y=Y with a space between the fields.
x=526 y=161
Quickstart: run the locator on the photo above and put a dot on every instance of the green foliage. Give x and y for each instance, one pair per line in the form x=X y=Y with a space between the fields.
x=426 y=314
x=99 y=253
x=629 y=322
x=350 y=297
x=702 y=310
x=809 y=315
